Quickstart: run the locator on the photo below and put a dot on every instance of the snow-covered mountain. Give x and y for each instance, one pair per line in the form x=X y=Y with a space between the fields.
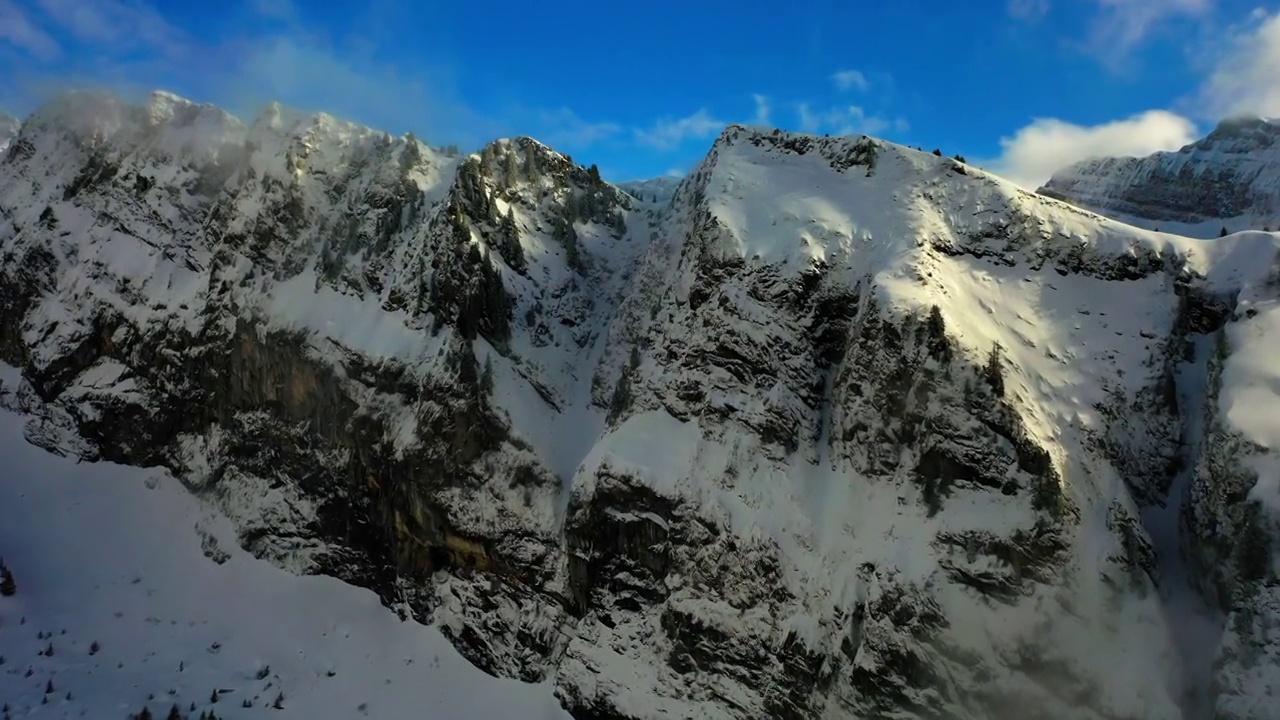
x=841 y=430
x=8 y=130
x=1229 y=179
x=658 y=191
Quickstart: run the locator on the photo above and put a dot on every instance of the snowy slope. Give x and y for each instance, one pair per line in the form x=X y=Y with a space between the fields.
x=126 y=558
x=838 y=429
x=1230 y=178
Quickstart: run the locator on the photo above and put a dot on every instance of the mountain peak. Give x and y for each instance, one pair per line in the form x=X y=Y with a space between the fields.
x=1226 y=179
x=81 y=113
x=1243 y=133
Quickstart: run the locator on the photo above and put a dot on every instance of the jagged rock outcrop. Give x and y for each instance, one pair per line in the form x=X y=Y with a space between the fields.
x=1229 y=179
x=8 y=130
x=836 y=429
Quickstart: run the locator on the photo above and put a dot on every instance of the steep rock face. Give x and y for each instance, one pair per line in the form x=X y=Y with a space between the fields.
x=1232 y=515
x=838 y=429
x=1230 y=178
x=863 y=448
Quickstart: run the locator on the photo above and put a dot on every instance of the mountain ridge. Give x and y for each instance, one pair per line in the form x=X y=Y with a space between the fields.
x=842 y=429
x=1226 y=180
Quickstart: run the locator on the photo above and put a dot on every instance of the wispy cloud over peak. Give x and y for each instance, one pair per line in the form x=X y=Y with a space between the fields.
x=1029 y=10
x=850 y=80
x=669 y=133
x=562 y=127
x=1246 y=80
x=1047 y=145
x=116 y=23
x=764 y=110
x=846 y=120
x=18 y=29
x=1121 y=25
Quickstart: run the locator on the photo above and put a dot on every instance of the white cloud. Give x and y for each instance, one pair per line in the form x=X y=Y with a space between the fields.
x=306 y=72
x=1247 y=78
x=1122 y=24
x=1029 y=10
x=850 y=80
x=669 y=133
x=764 y=110
x=275 y=9
x=847 y=120
x=116 y=23
x=563 y=127
x=17 y=29
x=1047 y=145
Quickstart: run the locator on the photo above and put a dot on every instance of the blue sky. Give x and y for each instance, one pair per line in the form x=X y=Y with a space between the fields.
x=641 y=89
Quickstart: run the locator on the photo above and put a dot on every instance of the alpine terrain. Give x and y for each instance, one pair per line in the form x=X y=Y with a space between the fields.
x=831 y=428
x=1229 y=180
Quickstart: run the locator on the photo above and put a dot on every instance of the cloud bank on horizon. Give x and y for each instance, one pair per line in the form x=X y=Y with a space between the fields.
x=1243 y=80
x=1055 y=83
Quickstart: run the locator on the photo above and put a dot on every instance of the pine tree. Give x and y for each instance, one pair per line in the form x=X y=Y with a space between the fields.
x=1223 y=231
x=48 y=687
x=7 y=585
x=145 y=714
x=994 y=372
x=213 y=697
x=510 y=166
x=278 y=703
x=594 y=173
x=509 y=242
x=94 y=647
x=174 y=713
x=572 y=256
x=622 y=397
x=937 y=152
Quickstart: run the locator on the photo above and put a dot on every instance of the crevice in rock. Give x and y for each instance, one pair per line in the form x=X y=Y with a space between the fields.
x=1195 y=621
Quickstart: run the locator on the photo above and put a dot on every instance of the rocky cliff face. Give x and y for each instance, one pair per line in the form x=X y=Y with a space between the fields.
x=839 y=429
x=1230 y=178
